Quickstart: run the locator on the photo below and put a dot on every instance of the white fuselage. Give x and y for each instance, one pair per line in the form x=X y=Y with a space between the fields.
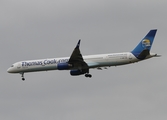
x=93 y=61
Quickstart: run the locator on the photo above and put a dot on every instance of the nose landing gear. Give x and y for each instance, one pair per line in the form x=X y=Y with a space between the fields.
x=22 y=75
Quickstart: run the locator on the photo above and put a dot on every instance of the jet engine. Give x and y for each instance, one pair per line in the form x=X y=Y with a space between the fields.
x=76 y=72
x=63 y=66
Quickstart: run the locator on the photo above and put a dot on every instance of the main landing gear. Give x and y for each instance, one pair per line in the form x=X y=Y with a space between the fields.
x=22 y=75
x=88 y=75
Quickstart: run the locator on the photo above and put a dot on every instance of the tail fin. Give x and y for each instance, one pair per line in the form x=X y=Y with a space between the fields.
x=144 y=47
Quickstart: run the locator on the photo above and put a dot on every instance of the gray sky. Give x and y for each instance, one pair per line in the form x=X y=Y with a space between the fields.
x=37 y=29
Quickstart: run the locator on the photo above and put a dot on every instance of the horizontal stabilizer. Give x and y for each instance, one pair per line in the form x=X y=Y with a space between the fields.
x=143 y=54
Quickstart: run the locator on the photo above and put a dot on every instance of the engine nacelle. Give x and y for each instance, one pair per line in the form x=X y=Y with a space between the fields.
x=76 y=72
x=63 y=66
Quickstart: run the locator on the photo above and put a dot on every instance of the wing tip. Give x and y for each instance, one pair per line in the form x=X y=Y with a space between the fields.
x=78 y=44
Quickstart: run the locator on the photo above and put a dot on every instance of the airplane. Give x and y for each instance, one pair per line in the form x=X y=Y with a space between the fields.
x=80 y=65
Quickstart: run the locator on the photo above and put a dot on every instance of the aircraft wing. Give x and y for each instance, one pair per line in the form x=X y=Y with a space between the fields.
x=77 y=61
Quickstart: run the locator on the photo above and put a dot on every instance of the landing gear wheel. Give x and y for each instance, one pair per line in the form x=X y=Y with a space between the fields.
x=23 y=79
x=88 y=75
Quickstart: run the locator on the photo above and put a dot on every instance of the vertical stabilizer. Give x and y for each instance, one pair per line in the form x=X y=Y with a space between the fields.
x=144 y=47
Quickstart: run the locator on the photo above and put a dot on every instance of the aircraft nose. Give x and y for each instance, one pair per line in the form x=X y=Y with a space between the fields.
x=9 y=70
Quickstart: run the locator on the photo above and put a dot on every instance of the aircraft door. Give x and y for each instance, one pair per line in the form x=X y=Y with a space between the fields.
x=19 y=65
x=130 y=58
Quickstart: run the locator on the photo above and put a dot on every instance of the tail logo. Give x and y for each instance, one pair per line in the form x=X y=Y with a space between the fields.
x=146 y=43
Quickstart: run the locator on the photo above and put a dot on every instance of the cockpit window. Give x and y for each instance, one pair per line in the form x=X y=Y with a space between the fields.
x=12 y=66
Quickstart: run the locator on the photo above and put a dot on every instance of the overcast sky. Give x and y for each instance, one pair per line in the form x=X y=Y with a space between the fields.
x=35 y=29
